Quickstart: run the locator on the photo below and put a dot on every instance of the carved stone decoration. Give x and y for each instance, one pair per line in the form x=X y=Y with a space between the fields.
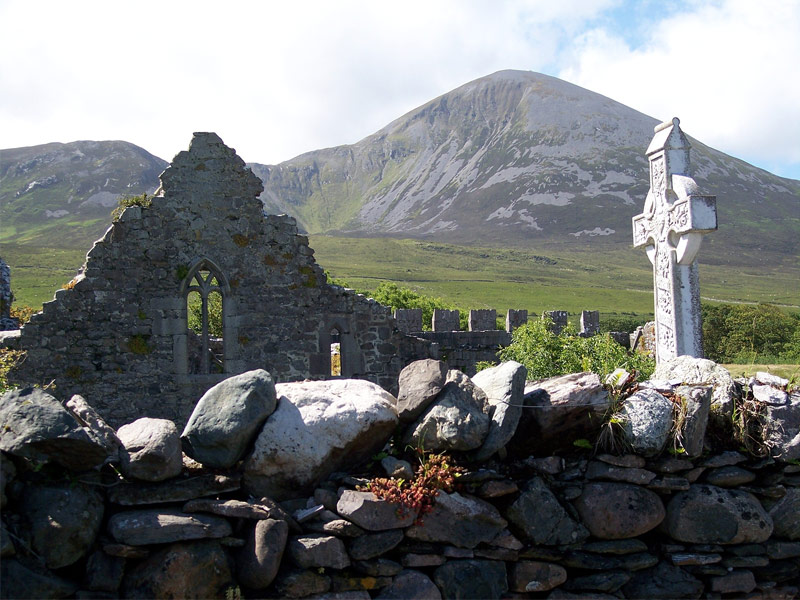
x=671 y=227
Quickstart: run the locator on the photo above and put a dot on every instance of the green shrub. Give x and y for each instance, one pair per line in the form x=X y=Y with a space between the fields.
x=735 y=333
x=391 y=294
x=546 y=354
x=125 y=201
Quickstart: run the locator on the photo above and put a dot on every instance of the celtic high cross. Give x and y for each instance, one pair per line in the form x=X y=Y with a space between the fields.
x=671 y=227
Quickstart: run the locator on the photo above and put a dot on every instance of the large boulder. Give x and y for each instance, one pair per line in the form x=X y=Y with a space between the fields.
x=62 y=521
x=664 y=581
x=318 y=427
x=556 y=412
x=504 y=386
x=706 y=514
x=37 y=427
x=228 y=417
x=25 y=578
x=647 y=421
x=700 y=371
x=457 y=420
x=151 y=449
x=418 y=384
x=183 y=570
x=785 y=514
x=613 y=511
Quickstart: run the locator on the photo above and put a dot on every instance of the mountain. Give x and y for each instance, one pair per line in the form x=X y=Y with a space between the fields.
x=520 y=158
x=61 y=195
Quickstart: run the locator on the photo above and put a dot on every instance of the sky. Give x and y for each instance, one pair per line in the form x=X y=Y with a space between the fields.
x=277 y=78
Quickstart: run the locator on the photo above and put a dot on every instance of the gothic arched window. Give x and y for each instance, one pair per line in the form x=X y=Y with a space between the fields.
x=204 y=292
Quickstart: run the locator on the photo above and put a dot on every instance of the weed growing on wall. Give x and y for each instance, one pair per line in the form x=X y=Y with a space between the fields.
x=125 y=201
x=546 y=354
x=435 y=472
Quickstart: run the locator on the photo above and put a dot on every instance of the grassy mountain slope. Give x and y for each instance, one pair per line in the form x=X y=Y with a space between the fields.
x=519 y=158
x=61 y=195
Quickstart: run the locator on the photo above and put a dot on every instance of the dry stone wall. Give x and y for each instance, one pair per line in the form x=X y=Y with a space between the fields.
x=574 y=524
x=118 y=334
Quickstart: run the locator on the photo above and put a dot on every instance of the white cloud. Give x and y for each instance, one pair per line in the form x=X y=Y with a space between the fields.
x=277 y=78
x=727 y=69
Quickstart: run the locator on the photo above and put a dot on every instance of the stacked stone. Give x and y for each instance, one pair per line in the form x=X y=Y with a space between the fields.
x=216 y=518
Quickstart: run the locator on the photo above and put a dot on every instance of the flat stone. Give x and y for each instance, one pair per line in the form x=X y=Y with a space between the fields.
x=669 y=484
x=497 y=489
x=770 y=395
x=373 y=545
x=600 y=470
x=664 y=581
x=735 y=582
x=729 y=477
x=227 y=418
x=174 y=490
x=504 y=554
x=505 y=539
x=619 y=510
x=535 y=576
x=379 y=567
x=695 y=405
x=462 y=521
x=724 y=459
x=550 y=465
x=709 y=514
x=539 y=516
x=630 y=461
x=738 y=562
x=689 y=558
x=410 y=584
x=228 y=508
x=626 y=546
x=185 y=570
x=372 y=513
x=95 y=426
x=769 y=379
x=314 y=551
x=598 y=582
x=472 y=578
x=453 y=552
x=638 y=561
x=142 y=527
x=415 y=561
x=577 y=559
x=779 y=550
x=339 y=527
x=126 y=551
x=670 y=464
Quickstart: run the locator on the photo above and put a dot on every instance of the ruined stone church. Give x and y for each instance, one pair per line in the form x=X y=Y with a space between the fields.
x=118 y=333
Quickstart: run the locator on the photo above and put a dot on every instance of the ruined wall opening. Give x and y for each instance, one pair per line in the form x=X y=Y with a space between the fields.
x=204 y=291
x=336 y=352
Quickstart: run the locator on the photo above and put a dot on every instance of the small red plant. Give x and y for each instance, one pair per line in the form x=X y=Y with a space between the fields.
x=434 y=473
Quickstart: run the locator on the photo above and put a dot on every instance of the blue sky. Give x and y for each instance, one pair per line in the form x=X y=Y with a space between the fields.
x=277 y=78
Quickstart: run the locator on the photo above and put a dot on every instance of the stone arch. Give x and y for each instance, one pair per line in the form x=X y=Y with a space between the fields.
x=204 y=353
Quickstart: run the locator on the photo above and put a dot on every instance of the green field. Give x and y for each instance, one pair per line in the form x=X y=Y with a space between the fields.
x=613 y=281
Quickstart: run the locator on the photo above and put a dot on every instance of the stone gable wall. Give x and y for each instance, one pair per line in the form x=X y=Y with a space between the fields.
x=119 y=333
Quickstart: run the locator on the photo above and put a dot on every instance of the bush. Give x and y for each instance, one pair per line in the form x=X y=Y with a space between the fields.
x=750 y=333
x=546 y=354
x=391 y=294
x=125 y=201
